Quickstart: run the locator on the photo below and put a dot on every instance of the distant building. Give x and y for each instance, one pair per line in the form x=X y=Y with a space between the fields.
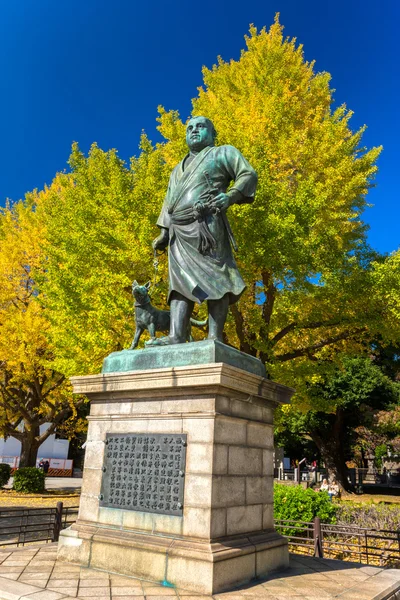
x=55 y=450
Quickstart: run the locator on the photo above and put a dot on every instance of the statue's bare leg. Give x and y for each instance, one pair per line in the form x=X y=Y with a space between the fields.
x=217 y=313
x=181 y=311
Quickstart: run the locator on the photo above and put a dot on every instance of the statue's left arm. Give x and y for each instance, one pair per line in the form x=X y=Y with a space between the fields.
x=238 y=170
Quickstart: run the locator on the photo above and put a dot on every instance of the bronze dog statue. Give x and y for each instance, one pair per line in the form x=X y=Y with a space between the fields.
x=151 y=318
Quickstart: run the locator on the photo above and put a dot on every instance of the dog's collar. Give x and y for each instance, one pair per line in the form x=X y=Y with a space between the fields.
x=145 y=304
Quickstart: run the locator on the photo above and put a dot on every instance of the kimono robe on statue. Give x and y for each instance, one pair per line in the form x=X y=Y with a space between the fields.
x=201 y=264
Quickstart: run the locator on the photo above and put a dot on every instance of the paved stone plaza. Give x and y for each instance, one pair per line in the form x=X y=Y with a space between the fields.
x=33 y=573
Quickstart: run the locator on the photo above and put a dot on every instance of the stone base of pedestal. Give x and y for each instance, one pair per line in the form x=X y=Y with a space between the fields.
x=220 y=532
x=200 y=566
x=306 y=577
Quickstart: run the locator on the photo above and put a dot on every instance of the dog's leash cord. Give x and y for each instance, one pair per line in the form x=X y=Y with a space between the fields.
x=155 y=265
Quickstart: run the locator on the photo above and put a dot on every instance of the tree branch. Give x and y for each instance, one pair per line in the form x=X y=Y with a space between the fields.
x=313 y=347
x=54 y=386
x=270 y=291
x=18 y=435
x=313 y=325
x=16 y=422
x=281 y=334
x=49 y=417
x=11 y=398
x=245 y=346
x=60 y=417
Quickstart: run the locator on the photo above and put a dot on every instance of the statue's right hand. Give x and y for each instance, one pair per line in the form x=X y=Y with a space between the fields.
x=161 y=242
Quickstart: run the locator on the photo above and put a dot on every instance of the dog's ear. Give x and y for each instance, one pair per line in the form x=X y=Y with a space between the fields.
x=135 y=284
x=148 y=285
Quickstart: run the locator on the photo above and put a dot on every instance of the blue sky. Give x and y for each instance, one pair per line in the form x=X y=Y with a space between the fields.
x=96 y=70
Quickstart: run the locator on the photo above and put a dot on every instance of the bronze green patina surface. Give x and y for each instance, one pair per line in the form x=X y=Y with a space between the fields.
x=194 y=224
x=201 y=265
x=182 y=355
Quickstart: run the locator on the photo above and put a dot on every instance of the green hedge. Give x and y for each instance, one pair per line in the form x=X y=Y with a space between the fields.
x=29 y=480
x=5 y=473
x=299 y=504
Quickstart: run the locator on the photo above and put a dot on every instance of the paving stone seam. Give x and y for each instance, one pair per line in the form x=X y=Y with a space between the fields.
x=381 y=595
x=390 y=579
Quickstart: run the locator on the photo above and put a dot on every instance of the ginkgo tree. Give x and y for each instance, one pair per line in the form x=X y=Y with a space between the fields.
x=98 y=225
x=32 y=392
x=302 y=243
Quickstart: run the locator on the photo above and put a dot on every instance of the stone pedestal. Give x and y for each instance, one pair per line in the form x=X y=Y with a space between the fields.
x=225 y=535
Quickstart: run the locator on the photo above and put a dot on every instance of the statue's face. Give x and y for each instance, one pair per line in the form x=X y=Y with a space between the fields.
x=199 y=133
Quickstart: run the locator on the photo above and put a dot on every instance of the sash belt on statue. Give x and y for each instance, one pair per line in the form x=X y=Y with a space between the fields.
x=207 y=241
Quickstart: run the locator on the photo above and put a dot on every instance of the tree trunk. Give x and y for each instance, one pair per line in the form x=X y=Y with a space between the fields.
x=332 y=455
x=331 y=445
x=30 y=446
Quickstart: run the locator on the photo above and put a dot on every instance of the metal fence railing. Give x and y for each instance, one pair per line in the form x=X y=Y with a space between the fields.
x=20 y=526
x=389 y=477
x=357 y=477
x=299 y=475
x=345 y=542
x=300 y=534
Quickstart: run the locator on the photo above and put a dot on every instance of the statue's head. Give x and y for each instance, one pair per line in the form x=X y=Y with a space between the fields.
x=200 y=133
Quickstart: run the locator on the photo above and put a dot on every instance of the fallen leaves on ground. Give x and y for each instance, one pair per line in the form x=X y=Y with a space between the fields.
x=376 y=498
x=45 y=500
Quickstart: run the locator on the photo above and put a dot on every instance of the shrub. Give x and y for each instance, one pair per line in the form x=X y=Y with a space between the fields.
x=29 y=480
x=299 y=504
x=5 y=473
x=369 y=515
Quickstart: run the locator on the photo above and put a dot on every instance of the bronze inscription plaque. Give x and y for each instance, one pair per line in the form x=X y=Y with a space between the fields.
x=144 y=472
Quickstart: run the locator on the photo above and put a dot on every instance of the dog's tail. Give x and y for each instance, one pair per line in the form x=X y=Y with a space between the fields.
x=198 y=323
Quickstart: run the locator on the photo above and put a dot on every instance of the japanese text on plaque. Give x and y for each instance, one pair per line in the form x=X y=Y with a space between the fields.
x=144 y=472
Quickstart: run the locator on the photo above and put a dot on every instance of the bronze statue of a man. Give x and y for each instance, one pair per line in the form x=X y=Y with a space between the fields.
x=193 y=222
